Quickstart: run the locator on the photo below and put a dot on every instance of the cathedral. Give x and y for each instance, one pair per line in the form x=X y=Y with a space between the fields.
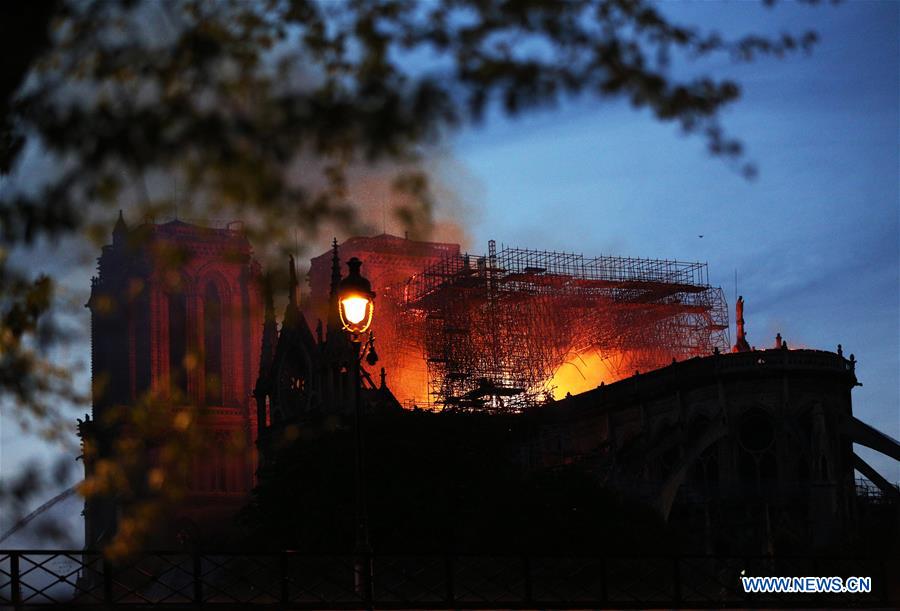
x=304 y=378
x=181 y=315
x=756 y=444
x=172 y=308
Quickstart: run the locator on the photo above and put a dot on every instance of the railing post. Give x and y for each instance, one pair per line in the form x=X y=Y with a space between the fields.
x=14 y=577
x=448 y=571
x=526 y=573
x=284 y=578
x=198 y=576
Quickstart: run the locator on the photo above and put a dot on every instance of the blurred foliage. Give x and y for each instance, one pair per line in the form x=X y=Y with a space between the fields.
x=26 y=377
x=261 y=111
x=229 y=95
x=140 y=459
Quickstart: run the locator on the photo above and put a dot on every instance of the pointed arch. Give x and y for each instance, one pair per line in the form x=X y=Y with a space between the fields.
x=178 y=340
x=212 y=344
x=215 y=316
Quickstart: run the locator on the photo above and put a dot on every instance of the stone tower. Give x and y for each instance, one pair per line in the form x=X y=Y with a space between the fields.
x=176 y=314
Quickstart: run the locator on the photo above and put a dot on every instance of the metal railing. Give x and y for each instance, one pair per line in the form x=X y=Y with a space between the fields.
x=292 y=580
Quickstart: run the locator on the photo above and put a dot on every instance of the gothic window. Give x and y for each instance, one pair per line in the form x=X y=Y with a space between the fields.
x=705 y=472
x=212 y=345
x=756 y=442
x=219 y=470
x=757 y=432
x=177 y=341
x=669 y=460
x=665 y=464
x=293 y=380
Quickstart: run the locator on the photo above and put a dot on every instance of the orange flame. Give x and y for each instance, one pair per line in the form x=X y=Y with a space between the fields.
x=580 y=373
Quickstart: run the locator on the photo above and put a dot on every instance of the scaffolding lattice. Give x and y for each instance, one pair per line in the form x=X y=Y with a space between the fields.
x=495 y=328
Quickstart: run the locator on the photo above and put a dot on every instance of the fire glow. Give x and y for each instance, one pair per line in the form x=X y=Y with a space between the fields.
x=581 y=372
x=508 y=329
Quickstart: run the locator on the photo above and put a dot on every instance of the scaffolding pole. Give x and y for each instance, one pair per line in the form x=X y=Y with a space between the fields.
x=493 y=329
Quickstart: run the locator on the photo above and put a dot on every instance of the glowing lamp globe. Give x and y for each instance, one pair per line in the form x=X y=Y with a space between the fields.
x=355 y=297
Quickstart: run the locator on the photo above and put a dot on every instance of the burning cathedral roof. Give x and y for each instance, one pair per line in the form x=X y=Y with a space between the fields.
x=517 y=326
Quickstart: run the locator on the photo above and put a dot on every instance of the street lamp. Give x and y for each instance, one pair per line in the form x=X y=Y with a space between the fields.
x=355 y=296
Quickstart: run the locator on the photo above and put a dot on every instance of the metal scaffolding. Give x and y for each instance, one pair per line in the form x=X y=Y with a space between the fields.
x=494 y=329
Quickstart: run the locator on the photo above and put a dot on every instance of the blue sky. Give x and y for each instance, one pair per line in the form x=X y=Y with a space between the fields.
x=815 y=239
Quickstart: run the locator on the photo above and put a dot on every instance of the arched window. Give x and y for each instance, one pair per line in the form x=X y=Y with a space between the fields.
x=293 y=391
x=177 y=341
x=705 y=472
x=212 y=345
x=756 y=439
x=667 y=461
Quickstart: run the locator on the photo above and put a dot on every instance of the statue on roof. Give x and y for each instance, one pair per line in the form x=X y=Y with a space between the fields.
x=741 y=344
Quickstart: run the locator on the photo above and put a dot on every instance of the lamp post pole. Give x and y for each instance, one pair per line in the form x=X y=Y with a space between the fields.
x=355 y=308
x=363 y=561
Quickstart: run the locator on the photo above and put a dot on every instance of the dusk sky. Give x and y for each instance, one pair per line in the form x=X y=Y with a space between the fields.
x=814 y=239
